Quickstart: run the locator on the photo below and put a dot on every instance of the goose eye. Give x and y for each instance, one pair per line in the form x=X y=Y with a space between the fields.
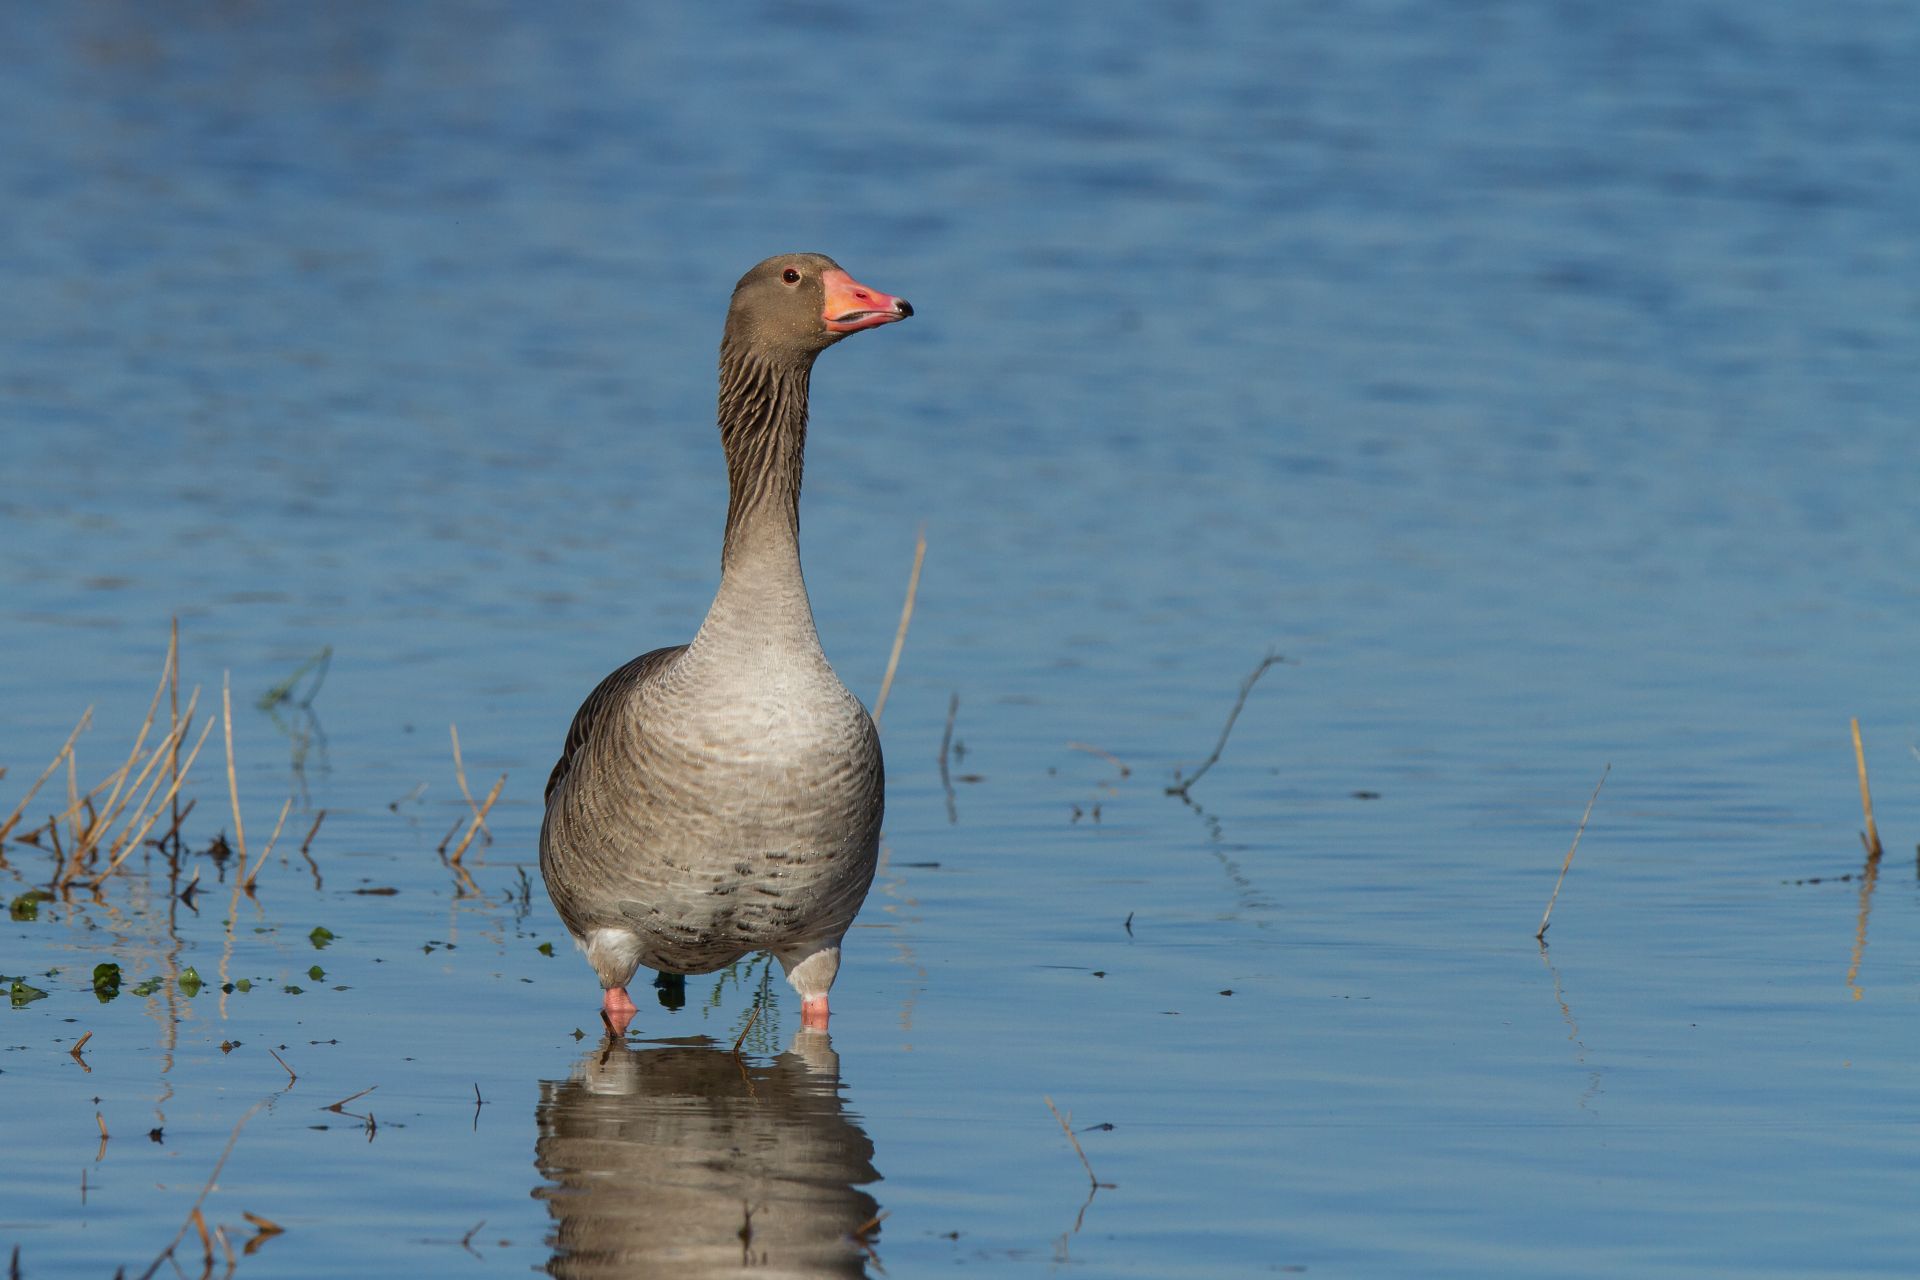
x=790 y=275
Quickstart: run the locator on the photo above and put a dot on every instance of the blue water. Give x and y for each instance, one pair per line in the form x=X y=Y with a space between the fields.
x=1538 y=379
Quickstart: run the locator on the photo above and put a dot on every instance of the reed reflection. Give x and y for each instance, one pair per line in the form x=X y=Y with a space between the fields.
x=674 y=1157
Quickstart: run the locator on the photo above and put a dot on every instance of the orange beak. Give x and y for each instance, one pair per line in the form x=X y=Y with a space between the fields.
x=851 y=306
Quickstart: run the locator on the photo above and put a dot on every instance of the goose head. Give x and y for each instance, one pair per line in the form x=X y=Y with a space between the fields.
x=793 y=306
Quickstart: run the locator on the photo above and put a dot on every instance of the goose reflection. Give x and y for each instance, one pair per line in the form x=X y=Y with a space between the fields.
x=675 y=1157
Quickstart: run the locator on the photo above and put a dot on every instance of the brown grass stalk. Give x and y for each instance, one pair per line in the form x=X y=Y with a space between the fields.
x=139 y=741
x=285 y=808
x=173 y=790
x=1068 y=1130
x=86 y=719
x=900 y=633
x=233 y=783
x=1871 y=838
x=479 y=820
x=460 y=776
x=169 y=745
x=1541 y=935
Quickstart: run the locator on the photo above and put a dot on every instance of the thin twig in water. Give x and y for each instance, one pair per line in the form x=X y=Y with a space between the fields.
x=479 y=821
x=1068 y=1130
x=262 y=861
x=1871 y=838
x=1547 y=915
x=946 y=752
x=204 y=1192
x=291 y=1078
x=752 y=1018
x=1181 y=786
x=906 y=616
x=1108 y=756
x=336 y=1106
x=460 y=776
x=307 y=844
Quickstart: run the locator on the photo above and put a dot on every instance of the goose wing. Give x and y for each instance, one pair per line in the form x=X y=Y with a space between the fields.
x=608 y=694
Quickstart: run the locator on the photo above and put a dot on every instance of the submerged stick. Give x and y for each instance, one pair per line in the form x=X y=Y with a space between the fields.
x=1872 y=836
x=1541 y=935
x=1181 y=787
x=906 y=616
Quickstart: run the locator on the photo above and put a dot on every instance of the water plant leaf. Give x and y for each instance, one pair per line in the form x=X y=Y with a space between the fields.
x=320 y=937
x=292 y=990
x=317 y=973
x=244 y=984
x=27 y=905
x=148 y=987
x=545 y=948
x=106 y=981
x=21 y=994
x=189 y=982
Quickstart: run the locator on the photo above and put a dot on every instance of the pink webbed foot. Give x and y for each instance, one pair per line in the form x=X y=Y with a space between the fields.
x=618 y=1009
x=813 y=1012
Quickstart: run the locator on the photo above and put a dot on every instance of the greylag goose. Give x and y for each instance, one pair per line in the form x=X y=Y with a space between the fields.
x=724 y=797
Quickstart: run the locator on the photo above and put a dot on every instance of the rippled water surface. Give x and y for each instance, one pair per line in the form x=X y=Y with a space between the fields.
x=1539 y=380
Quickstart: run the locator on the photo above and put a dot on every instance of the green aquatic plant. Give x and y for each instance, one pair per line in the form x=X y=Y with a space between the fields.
x=21 y=994
x=189 y=982
x=27 y=905
x=320 y=937
x=106 y=981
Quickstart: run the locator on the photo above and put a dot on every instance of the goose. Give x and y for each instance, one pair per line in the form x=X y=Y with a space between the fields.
x=724 y=797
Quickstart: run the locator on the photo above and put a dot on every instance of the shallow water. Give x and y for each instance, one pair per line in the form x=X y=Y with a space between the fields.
x=1538 y=381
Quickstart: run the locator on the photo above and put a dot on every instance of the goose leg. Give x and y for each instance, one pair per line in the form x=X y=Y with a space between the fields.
x=811 y=970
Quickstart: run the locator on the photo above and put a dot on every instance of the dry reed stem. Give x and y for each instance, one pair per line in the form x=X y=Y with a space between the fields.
x=291 y=1078
x=460 y=776
x=265 y=853
x=479 y=820
x=1068 y=1130
x=233 y=783
x=199 y=1222
x=172 y=791
x=1541 y=935
x=335 y=1106
x=139 y=740
x=1181 y=787
x=74 y=1052
x=205 y=1191
x=173 y=735
x=1872 y=836
x=900 y=634
x=86 y=718
x=173 y=644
